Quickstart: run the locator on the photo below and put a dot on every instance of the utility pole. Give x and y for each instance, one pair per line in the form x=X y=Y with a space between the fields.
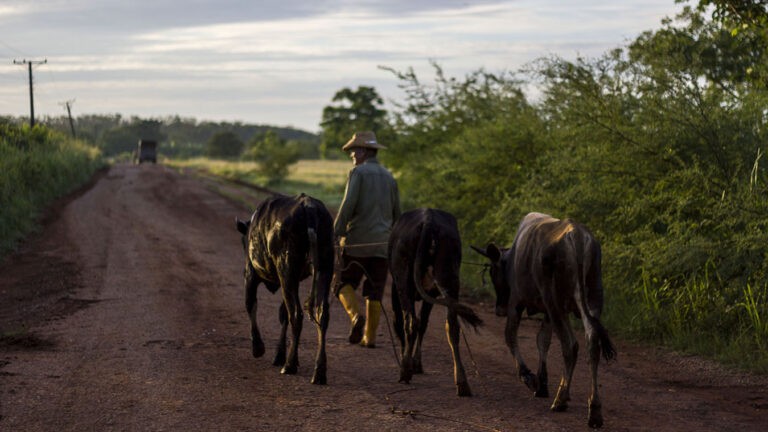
x=29 y=64
x=68 y=105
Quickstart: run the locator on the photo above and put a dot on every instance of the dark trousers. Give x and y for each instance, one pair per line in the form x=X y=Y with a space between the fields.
x=374 y=269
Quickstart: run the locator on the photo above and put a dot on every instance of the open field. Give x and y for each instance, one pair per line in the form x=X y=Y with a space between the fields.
x=322 y=179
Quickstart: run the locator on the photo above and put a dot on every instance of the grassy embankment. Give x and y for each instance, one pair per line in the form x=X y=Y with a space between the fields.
x=37 y=166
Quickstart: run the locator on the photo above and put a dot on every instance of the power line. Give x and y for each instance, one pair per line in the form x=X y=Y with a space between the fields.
x=29 y=64
x=11 y=48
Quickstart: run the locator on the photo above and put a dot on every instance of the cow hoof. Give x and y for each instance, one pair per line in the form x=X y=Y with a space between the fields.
x=595 y=423
x=257 y=349
x=558 y=406
x=595 y=419
x=417 y=368
x=542 y=392
x=405 y=377
x=462 y=390
x=289 y=370
x=279 y=359
x=319 y=379
x=531 y=382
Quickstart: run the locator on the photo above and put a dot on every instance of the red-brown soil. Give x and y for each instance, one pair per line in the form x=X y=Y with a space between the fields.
x=126 y=312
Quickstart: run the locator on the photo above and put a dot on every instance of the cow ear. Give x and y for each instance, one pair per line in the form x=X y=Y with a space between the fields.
x=478 y=250
x=493 y=252
x=242 y=226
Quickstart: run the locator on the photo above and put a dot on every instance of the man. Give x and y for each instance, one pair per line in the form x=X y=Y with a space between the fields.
x=370 y=207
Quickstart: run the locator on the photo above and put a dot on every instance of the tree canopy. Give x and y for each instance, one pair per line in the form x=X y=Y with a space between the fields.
x=274 y=154
x=351 y=111
x=657 y=146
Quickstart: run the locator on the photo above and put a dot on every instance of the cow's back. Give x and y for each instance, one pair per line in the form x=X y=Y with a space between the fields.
x=409 y=230
x=533 y=251
x=547 y=250
x=280 y=224
x=426 y=242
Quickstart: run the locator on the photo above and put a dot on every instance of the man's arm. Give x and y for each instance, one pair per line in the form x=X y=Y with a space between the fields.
x=348 y=204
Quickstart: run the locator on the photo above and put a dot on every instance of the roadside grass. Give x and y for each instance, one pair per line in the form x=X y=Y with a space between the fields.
x=698 y=316
x=322 y=179
x=37 y=166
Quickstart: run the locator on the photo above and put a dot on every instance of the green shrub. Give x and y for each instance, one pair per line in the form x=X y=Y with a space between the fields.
x=37 y=166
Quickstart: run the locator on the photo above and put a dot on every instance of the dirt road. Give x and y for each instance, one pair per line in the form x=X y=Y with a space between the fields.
x=126 y=313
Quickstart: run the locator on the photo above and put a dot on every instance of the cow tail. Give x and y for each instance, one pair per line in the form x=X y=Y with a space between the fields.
x=467 y=315
x=422 y=253
x=607 y=347
x=311 y=219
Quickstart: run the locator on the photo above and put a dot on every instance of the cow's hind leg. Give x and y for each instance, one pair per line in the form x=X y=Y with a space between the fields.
x=295 y=319
x=251 y=283
x=321 y=317
x=570 y=350
x=595 y=416
x=397 y=311
x=407 y=328
x=510 y=336
x=410 y=324
x=453 y=331
x=426 y=310
x=281 y=341
x=597 y=342
x=543 y=340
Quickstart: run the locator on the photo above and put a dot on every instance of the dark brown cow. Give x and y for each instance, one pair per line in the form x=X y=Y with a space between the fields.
x=287 y=240
x=553 y=267
x=424 y=260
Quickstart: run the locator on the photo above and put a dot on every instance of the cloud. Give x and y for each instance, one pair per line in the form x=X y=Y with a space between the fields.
x=281 y=62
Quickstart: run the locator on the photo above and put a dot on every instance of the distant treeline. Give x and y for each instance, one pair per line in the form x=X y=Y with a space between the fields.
x=178 y=137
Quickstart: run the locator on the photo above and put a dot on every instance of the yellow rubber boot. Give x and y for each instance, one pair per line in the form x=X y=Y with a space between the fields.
x=349 y=301
x=373 y=311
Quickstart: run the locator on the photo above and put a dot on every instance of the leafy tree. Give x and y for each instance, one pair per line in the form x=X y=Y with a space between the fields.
x=658 y=147
x=746 y=22
x=738 y=14
x=224 y=145
x=465 y=146
x=274 y=155
x=354 y=110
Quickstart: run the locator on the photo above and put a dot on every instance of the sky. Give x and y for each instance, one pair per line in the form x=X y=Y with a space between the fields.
x=280 y=62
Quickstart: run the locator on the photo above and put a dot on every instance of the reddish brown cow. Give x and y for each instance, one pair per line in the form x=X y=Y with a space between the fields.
x=553 y=267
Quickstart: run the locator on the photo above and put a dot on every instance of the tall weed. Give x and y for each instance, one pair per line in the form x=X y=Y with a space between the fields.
x=37 y=166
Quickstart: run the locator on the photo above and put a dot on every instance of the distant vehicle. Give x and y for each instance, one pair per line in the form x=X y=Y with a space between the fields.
x=147 y=151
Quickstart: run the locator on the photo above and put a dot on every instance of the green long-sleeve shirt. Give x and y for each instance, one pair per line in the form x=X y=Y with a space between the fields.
x=370 y=207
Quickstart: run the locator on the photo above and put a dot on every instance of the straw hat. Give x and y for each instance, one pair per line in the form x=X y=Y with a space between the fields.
x=363 y=139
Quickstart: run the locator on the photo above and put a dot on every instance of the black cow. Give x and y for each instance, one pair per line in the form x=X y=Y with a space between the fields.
x=287 y=240
x=553 y=267
x=424 y=260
